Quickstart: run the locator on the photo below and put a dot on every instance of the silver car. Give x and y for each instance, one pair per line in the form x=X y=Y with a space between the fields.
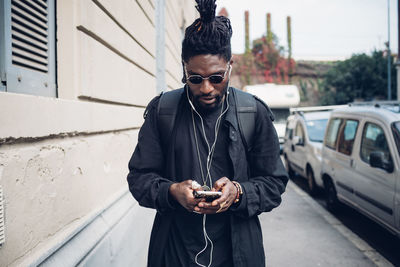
x=361 y=162
x=303 y=144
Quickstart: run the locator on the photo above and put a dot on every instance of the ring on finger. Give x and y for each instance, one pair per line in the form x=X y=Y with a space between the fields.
x=221 y=206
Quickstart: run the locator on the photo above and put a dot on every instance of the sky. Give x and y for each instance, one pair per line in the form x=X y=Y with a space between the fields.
x=321 y=29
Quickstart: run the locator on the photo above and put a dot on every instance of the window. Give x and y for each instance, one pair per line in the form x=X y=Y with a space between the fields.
x=331 y=132
x=347 y=135
x=396 y=134
x=299 y=131
x=27 y=47
x=316 y=129
x=374 y=140
x=288 y=131
x=290 y=134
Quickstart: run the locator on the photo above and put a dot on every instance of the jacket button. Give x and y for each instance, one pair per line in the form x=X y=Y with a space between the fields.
x=232 y=136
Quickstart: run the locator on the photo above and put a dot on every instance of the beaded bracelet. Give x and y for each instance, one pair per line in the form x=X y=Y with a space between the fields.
x=239 y=191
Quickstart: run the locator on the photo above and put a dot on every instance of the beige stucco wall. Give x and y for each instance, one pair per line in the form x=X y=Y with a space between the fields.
x=109 y=51
x=52 y=183
x=63 y=158
x=178 y=15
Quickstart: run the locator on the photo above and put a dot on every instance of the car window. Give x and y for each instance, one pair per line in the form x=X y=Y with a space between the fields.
x=331 y=132
x=290 y=134
x=299 y=130
x=373 y=139
x=288 y=131
x=347 y=135
x=316 y=129
x=396 y=134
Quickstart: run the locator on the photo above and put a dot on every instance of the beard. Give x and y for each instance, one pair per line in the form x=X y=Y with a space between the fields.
x=207 y=108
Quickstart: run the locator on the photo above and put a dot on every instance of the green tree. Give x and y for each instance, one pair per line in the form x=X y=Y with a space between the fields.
x=360 y=77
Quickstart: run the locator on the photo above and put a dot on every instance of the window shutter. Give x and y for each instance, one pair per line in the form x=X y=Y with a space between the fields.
x=29 y=47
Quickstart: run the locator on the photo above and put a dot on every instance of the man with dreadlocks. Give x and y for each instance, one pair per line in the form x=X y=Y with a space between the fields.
x=204 y=145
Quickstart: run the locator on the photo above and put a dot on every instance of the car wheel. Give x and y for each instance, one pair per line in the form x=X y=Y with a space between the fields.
x=312 y=187
x=288 y=168
x=332 y=202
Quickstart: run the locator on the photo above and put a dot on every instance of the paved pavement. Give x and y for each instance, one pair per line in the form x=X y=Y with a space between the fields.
x=300 y=232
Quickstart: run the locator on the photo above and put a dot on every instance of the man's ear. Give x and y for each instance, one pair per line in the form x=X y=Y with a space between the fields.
x=230 y=67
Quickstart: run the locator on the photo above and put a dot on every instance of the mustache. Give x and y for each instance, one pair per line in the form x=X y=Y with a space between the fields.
x=207 y=95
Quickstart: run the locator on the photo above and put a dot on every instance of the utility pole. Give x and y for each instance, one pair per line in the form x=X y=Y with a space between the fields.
x=269 y=31
x=289 y=40
x=398 y=50
x=247 y=34
x=161 y=83
x=389 y=56
x=247 y=52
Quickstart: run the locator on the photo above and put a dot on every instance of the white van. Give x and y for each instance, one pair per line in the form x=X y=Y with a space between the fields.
x=361 y=161
x=305 y=130
x=279 y=98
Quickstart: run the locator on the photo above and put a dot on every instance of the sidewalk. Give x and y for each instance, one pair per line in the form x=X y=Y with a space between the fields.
x=302 y=233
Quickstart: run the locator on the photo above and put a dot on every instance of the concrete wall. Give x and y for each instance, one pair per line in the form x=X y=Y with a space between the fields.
x=182 y=13
x=63 y=161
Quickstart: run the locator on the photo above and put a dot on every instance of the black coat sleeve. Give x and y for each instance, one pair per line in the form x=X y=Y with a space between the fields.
x=268 y=176
x=146 y=166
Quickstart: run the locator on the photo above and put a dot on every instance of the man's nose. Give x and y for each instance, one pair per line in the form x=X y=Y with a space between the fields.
x=206 y=87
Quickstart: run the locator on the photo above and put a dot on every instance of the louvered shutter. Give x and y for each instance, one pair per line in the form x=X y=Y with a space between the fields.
x=29 y=47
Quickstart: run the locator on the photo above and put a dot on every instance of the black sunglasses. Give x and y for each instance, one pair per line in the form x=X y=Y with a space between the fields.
x=198 y=79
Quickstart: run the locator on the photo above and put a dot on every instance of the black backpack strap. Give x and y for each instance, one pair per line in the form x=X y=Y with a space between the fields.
x=167 y=110
x=271 y=114
x=246 y=111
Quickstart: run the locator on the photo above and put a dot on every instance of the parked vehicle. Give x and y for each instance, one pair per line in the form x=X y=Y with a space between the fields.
x=360 y=166
x=305 y=130
x=280 y=98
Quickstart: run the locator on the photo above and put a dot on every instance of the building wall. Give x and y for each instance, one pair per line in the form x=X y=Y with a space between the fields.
x=398 y=79
x=63 y=161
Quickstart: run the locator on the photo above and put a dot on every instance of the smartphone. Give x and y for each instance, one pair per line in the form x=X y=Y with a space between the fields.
x=208 y=195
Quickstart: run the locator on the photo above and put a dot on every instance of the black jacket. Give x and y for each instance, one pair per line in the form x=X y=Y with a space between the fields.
x=262 y=176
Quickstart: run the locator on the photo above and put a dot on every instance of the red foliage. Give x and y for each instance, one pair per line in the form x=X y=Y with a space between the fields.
x=265 y=64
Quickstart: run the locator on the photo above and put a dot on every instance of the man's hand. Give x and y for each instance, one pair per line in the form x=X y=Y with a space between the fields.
x=222 y=203
x=183 y=193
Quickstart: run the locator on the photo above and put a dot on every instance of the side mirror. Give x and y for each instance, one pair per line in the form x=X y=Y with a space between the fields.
x=298 y=141
x=377 y=160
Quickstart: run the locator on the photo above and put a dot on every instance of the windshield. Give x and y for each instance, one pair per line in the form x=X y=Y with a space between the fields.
x=280 y=114
x=396 y=134
x=316 y=130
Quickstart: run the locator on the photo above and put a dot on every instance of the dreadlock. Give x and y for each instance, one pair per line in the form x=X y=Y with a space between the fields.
x=208 y=34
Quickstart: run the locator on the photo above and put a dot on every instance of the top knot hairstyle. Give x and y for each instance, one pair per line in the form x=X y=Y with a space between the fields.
x=208 y=34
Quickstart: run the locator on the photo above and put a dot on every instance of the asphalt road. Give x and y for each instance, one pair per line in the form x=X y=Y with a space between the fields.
x=376 y=236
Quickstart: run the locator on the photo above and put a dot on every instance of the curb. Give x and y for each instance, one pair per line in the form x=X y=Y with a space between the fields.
x=363 y=246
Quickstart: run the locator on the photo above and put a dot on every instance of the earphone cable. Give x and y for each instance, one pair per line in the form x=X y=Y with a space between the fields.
x=208 y=163
x=208 y=166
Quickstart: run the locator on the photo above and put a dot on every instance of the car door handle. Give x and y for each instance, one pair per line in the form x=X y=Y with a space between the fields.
x=293 y=148
x=351 y=163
